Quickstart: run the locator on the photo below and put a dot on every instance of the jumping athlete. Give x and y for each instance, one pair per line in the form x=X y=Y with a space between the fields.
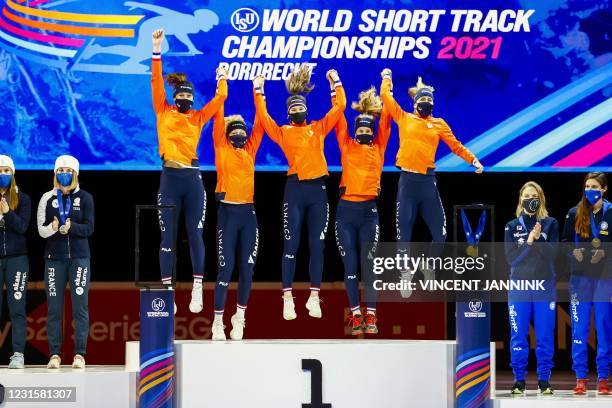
x=237 y=228
x=305 y=194
x=587 y=228
x=531 y=241
x=15 y=211
x=419 y=135
x=356 y=224
x=178 y=130
x=65 y=218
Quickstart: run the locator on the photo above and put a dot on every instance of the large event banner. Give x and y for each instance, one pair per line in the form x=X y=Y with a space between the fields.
x=525 y=84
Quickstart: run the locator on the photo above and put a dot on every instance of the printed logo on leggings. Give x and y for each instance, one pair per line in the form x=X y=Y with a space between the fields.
x=158 y=305
x=255 y=249
x=80 y=280
x=162 y=227
x=51 y=282
x=220 y=255
x=340 y=247
x=322 y=236
x=20 y=284
x=513 y=314
x=286 y=231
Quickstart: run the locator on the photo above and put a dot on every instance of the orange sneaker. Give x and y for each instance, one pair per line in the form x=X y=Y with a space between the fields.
x=356 y=323
x=602 y=387
x=581 y=387
x=370 y=324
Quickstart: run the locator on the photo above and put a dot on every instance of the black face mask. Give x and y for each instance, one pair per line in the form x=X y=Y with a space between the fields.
x=183 y=105
x=424 y=109
x=531 y=205
x=364 y=138
x=238 y=141
x=298 y=117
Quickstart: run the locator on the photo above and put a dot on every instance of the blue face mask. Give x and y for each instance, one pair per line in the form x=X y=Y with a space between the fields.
x=65 y=179
x=592 y=196
x=5 y=180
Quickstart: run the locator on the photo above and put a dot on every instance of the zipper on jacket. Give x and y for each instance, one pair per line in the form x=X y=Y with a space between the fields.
x=4 y=239
x=68 y=247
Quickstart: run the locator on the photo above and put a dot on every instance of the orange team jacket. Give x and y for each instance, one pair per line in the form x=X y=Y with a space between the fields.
x=235 y=167
x=302 y=145
x=179 y=133
x=419 y=137
x=362 y=164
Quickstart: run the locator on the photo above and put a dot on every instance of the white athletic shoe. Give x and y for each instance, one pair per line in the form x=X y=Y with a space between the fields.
x=175 y=308
x=288 y=308
x=406 y=276
x=196 y=305
x=238 y=324
x=314 y=307
x=78 y=362
x=54 y=362
x=218 y=330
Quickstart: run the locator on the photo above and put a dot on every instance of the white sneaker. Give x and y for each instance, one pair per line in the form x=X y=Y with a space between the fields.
x=218 y=330
x=314 y=306
x=288 y=308
x=238 y=324
x=54 y=362
x=407 y=277
x=196 y=305
x=175 y=308
x=78 y=362
x=429 y=275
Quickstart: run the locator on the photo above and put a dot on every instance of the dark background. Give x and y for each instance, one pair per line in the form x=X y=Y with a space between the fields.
x=117 y=193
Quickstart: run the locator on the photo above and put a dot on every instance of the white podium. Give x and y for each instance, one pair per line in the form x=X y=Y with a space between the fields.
x=354 y=373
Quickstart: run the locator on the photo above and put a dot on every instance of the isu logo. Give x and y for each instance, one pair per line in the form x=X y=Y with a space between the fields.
x=158 y=305
x=244 y=20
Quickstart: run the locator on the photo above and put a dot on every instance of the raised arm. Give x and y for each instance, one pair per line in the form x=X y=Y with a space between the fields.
x=386 y=94
x=157 y=80
x=261 y=111
x=341 y=128
x=254 y=141
x=219 y=127
x=384 y=128
x=209 y=110
x=338 y=104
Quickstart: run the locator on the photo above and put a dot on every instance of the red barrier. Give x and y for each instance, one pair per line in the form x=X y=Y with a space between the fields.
x=114 y=319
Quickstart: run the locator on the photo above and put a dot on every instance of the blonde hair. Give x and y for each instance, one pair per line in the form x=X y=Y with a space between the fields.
x=369 y=102
x=233 y=118
x=299 y=81
x=542 y=212
x=13 y=193
x=176 y=78
x=419 y=85
x=72 y=186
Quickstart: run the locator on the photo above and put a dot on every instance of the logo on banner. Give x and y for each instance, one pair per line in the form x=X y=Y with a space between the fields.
x=475 y=307
x=244 y=19
x=158 y=305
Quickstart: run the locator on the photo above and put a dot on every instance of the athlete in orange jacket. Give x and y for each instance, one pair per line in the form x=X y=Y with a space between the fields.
x=236 y=219
x=305 y=194
x=357 y=216
x=419 y=134
x=178 y=130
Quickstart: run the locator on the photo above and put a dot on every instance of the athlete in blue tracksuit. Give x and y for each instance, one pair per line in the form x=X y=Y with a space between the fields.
x=14 y=266
x=531 y=242
x=65 y=218
x=587 y=232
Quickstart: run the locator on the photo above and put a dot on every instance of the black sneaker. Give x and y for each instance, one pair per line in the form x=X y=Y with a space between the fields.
x=545 y=388
x=518 y=388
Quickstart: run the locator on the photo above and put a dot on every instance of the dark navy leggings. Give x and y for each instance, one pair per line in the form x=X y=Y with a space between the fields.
x=184 y=189
x=304 y=201
x=237 y=233
x=357 y=230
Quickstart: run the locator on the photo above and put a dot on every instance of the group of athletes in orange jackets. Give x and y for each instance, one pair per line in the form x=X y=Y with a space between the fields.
x=305 y=200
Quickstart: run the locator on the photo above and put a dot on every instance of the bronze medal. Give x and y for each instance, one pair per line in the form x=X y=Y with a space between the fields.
x=596 y=242
x=472 y=251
